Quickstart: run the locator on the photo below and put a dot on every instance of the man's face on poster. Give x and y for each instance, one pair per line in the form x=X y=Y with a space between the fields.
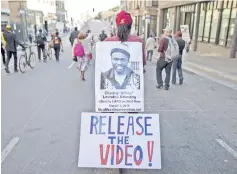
x=119 y=62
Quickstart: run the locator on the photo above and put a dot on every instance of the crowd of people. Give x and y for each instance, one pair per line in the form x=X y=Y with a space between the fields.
x=170 y=48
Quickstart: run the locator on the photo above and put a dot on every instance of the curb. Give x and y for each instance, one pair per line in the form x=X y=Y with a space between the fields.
x=209 y=70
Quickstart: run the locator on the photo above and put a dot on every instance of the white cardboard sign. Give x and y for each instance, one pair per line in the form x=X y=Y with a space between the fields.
x=185 y=32
x=119 y=83
x=118 y=140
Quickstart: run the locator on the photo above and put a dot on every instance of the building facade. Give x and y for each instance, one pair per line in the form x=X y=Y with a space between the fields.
x=5 y=13
x=216 y=24
x=144 y=15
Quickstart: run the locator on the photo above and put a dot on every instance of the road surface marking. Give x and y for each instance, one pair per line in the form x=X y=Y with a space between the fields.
x=9 y=148
x=228 y=148
x=72 y=64
x=194 y=104
x=34 y=112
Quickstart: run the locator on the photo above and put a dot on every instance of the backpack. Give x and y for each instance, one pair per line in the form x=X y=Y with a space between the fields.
x=40 y=39
x=79 y=50
x=172 y=50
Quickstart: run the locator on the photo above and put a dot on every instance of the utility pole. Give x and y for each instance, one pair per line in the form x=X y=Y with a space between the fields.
x=234 y=41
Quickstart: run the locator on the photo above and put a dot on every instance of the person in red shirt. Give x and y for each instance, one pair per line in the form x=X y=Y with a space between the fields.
x=124 y=25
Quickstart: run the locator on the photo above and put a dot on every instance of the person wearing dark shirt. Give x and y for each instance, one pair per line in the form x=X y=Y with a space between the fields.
x=11 y=47
x=103 y=36
x=40 y=41
x=57 y=45
x=177 y=62
x=120 y=76
x=162 y=63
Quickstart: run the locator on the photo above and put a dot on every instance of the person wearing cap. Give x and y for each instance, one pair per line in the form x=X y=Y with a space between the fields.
x=124 y=25
x=3 y=46
x=177 y=62
x=120 y=76
x=162 y=63
x=11 y=47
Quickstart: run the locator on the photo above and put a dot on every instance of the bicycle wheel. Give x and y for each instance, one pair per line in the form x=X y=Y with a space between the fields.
x=22 y=63
x=50 y=53
x=32 y=60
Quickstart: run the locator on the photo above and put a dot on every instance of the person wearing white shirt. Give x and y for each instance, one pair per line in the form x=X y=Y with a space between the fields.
x=150 y=46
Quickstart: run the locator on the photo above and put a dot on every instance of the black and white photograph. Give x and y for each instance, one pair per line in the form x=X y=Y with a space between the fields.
x=119 y=68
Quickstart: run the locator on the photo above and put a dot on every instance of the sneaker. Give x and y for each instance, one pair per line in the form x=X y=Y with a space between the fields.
x=16 y=70
x=7 y=70
x=159 y=86
x=166 y=88
x=181 y=81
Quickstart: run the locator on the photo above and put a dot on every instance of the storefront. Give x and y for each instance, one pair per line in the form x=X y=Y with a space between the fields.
x=217 y=22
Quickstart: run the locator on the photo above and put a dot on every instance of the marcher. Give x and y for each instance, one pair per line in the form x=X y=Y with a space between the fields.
x=124 y=25
x=3 y=46
x=30 y=38
x=40 y=41
x=102 y=36
x=177 y=62
x=11 y=47
x=168 y=50
x=73 y=35
x=81 y=50
x=58 y=45
x=150 y=46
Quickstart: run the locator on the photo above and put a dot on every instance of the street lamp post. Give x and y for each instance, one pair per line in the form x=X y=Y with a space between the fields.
x=24 y=23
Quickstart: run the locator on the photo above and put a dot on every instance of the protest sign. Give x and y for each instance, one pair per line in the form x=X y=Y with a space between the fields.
x=185 y=32
x=118 y=140
x=119 y=83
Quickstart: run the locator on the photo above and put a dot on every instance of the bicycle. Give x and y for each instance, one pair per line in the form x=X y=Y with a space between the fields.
x=24 y=61
x=48 y=51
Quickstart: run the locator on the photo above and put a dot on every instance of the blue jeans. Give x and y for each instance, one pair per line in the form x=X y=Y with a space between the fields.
x=177 y=66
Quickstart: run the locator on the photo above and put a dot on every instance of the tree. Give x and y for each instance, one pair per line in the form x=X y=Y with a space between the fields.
x=115 y=9
x=99 y=16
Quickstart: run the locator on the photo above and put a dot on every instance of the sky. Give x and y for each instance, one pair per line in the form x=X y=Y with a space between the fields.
x=76 y=7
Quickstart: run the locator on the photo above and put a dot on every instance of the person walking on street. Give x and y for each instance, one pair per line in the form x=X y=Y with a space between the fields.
x=168 y=50
x=58 y=45
x=124 y=25
x=30 y=38
x=40 y=41
x=11 y=47
x=177 y=62
x=81 y=50
x=3 y=46
x=150 y=46
x=73 y=36
x=102 y=36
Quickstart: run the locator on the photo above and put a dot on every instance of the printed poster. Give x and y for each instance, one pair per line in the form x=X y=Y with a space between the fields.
x=119 y=83
x=119 y=140
x=185 y=32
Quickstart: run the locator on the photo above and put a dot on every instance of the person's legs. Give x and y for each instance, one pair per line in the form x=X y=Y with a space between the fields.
x=44 y=52
x=15 y=61
x=9 y=55
x=151 y=54
x=174 y=69
x=39 y=52
x=180 y=71
x=159 y=67
x=148 y=54
x=167 y=78
x=57 y=51
x=3 y=55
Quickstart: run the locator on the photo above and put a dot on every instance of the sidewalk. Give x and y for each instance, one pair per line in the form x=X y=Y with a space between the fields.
x=223 y=67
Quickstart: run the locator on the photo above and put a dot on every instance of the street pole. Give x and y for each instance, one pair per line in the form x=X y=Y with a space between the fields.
x=234 y=41
x=195 y=42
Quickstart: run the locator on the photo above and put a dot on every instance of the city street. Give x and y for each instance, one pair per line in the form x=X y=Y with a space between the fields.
x=41 y=121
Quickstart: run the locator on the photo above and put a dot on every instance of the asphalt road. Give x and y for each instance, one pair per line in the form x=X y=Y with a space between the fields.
x=41 y=120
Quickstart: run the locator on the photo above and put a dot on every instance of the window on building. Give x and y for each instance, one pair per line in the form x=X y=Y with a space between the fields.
x=207 y=25
x=201 y=24
x=154 y=3
x=224 y=26
x=231 y=27
x=214 y=26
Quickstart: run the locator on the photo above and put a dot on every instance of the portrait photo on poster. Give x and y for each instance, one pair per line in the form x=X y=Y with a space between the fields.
x=124 y=71
x=119 y=83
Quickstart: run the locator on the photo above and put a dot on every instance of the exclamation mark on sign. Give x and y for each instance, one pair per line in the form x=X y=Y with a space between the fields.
x=150 y=147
